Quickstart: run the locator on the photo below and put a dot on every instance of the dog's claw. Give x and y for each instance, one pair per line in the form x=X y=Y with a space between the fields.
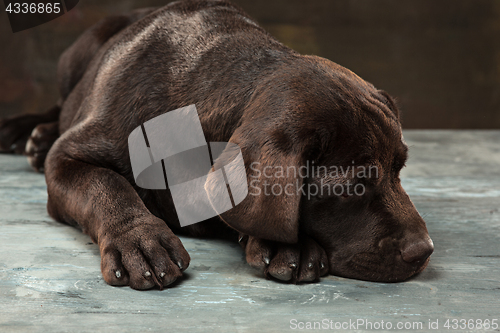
x=170 y=282
x=179 y=264
x=295 y=263
x=162 y=274
x=118 y=274
x=147 y=274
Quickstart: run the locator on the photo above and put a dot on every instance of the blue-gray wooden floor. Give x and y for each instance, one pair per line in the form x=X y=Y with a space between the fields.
x=50 y=279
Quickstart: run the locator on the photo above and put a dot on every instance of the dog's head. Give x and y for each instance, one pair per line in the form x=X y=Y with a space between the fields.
x=323 y=151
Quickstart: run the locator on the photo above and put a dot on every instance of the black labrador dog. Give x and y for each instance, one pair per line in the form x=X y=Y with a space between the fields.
x=284 y=110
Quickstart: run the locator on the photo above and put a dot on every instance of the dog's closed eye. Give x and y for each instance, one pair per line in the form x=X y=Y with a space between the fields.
x=400 y=160
x=398 y=165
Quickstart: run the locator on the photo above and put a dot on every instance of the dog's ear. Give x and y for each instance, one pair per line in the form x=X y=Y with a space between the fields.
x=270 y=210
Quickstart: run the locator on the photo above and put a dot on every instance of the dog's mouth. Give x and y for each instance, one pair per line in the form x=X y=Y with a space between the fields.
x=373 y=267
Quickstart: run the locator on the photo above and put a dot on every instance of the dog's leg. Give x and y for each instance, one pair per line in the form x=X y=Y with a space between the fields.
x=305 y=261
x=15 y=131
x=137 y=248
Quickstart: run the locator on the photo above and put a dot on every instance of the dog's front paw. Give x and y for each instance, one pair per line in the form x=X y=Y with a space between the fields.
x=146 y=255
x=305 y=261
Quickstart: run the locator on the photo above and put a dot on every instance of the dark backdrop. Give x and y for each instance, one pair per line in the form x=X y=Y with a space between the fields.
x=440 y=59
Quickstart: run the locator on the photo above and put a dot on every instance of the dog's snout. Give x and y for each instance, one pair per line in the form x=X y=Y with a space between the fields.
x=417 y=250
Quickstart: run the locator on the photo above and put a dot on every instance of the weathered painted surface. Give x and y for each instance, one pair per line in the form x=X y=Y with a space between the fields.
x=50 y=279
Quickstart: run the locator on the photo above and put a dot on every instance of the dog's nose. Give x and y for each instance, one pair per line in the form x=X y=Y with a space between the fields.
x=417 y=251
